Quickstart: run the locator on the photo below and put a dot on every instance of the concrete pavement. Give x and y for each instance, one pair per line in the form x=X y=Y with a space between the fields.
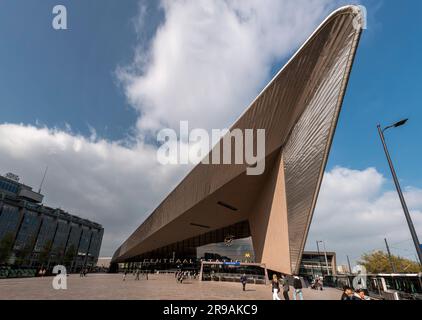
x=158 y=287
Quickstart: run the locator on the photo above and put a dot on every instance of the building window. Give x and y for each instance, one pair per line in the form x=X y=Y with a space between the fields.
x=46 y=234
x=237 y=250
x=9 y=220
x=61 y=237
x=28 y=231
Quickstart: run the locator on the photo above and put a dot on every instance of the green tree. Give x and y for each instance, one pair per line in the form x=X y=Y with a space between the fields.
x=378 y=262
x=6 y=247
x=58 y=254
x=69 y=255
x=23 y=254
x=45 y=253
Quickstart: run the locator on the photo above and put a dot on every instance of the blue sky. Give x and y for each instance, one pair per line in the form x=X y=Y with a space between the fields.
x=385 y=87
x=66 y=77
x=57 y=78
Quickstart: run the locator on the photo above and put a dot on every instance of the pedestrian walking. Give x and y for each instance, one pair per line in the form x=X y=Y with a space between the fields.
x=124 y=275
x=275 y=287
x=297 y=285
x=318 y=284
x=243 y=280
x=286 y=288
x=138 y=273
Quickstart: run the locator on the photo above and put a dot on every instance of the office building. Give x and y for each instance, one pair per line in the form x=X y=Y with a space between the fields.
x=35 y=235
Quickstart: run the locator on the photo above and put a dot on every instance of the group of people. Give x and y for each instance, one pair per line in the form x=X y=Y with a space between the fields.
x=137 y=273
x=350 y=294
x=42 y=272
x=182 y=275
x=317 y=284
x=83 y=272
x=283 y=282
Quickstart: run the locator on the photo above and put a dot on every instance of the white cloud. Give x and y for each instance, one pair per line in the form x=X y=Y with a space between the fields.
x=205 y=63
x=118 y=186
x=95 y=179
x=209 y=59
x=354 y=214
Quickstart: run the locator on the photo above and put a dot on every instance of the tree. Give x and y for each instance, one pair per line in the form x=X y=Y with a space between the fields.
x=23 y=255
x=69 y=256
x=378 y=262
x=58 y=253
x=45 y=253
x=6 y=247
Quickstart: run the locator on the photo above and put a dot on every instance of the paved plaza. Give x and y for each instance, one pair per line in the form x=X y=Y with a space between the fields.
x=157 y=287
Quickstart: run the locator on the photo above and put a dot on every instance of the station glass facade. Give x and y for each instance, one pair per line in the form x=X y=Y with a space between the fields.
x=314 y=264
x=231 y=250
x=228 y=246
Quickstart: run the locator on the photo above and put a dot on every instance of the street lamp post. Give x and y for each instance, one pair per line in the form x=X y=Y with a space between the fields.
x=399 y=191
x=326 y=259
x=325 y=254
x=393 y=266
x=319 y=259
x=350 y=267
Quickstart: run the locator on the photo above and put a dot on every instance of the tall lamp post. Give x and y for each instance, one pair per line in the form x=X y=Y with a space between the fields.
x=399 y=191
x=319 y=259
x=325 y=254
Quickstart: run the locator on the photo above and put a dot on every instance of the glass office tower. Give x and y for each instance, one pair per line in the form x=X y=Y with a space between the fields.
x=34 y=235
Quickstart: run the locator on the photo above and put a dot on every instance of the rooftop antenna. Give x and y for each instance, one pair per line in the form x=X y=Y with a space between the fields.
x=43 y=178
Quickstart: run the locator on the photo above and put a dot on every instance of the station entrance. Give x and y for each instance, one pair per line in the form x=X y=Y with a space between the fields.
x=256 y=273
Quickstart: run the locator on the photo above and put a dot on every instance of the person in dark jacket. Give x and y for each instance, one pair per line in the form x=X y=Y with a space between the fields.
x=347 y=293
x=286 y=287
x=360 y=295
x=297 y=285
x=243 y=280
x=275 y=287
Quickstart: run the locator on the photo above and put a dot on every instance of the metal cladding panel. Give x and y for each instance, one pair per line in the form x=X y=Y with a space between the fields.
x=306 y=151
x=298 y=110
